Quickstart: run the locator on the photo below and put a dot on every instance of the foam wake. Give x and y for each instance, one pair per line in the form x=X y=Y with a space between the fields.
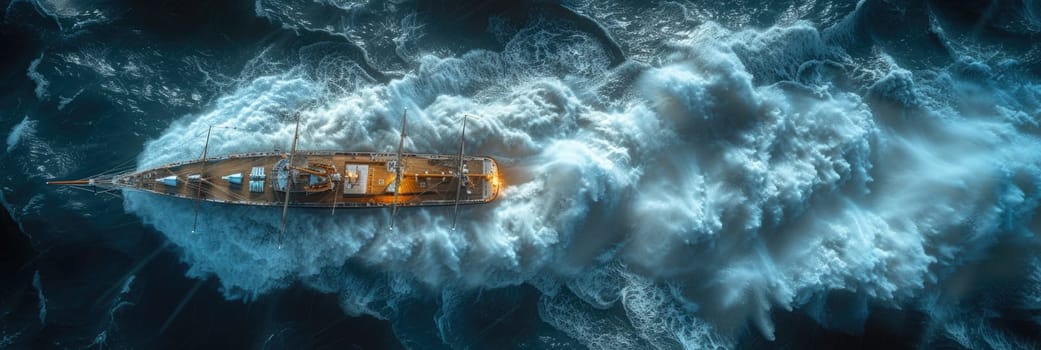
x=714 y=191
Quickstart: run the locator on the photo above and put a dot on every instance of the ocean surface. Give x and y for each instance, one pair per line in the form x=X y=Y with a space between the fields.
x=679 y=174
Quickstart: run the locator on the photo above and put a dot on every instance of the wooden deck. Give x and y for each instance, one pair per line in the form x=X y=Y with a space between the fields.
x=361 y=180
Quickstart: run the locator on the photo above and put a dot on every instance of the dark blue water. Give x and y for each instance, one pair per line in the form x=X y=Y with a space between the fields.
x=680 y=174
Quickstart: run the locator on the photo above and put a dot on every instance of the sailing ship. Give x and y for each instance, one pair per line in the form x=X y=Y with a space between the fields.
x=318 y=179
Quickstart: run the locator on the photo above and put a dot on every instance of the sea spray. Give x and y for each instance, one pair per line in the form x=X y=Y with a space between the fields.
x=710 y=197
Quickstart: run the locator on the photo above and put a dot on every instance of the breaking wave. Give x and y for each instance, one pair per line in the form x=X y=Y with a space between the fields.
x=23 y=129
x=746 y=171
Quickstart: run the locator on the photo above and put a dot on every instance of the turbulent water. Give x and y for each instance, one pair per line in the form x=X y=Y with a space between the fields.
x=679 y=174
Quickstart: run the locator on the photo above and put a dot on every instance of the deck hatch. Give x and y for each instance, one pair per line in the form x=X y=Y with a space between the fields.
x=357 y=179
x=256 y=179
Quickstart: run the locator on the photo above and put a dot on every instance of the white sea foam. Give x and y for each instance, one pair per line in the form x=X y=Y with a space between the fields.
x=704 y=201
x=42 y=300
x=34 y=74
x=72 y=16
x=21 y=130
x=9 y=339
x=42 y=160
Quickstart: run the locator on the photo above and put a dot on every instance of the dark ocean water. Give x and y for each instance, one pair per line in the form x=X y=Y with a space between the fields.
x=681 y=174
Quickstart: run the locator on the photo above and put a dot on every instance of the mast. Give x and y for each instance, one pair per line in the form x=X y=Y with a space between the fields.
x=285 y=205
x=335 y=197
x=72 y=182
x=198 y=193
x=398 y=169
x=462 y=177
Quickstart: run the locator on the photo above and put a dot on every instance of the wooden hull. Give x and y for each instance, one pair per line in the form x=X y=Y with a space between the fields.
x=323 y=179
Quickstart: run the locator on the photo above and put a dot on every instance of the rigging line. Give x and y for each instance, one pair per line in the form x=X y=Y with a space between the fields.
x=398 y=169
x=110 y=194
x=110 y=190
x=80 y=188
x=462 y=178
x=125 y=162
x=497 y=321
x=334 y=197
x=41 y=253
x=113 y=171
x=124 y=224
x=180 y=307
x=140 y=265
x=123 y=165
x=213 y=193
x=225 y=191
x=289 y=180
x=107 y=176
x=202 y=173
